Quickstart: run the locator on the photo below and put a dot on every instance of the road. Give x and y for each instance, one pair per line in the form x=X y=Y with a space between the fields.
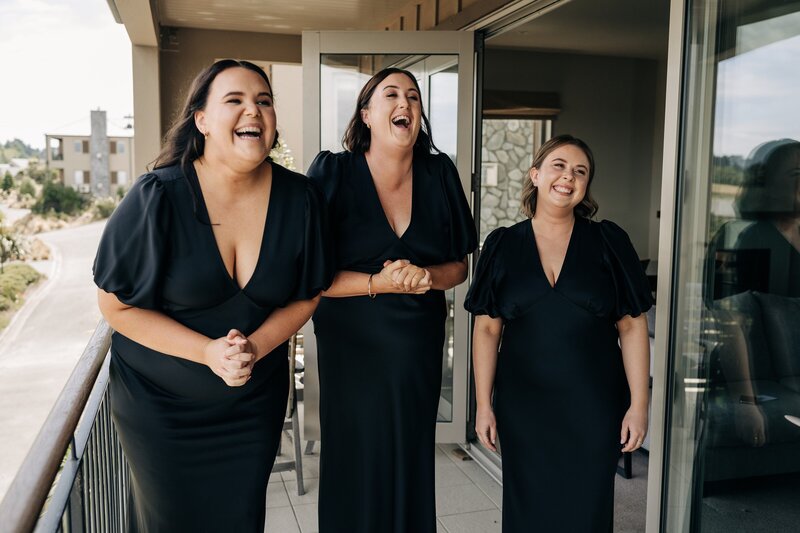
x=44 y=340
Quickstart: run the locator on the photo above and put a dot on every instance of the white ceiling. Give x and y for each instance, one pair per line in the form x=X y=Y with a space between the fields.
x=631 y=28
x=277 y=16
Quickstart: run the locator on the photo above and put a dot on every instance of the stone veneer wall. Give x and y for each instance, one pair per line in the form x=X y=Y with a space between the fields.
x=509 y=143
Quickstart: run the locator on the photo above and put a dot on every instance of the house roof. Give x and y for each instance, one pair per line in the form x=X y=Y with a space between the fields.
x=115 y=127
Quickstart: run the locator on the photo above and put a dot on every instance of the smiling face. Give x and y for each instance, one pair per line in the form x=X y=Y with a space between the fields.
x=394 y=113
x=562 y=178
x=238 y=120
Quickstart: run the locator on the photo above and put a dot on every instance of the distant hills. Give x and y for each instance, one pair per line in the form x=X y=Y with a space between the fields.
x=17 y=148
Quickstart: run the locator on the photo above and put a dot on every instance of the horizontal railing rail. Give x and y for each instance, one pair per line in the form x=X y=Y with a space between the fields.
x=74 y=476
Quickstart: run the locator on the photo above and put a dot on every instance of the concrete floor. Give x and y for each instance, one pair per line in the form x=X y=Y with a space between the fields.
x=468 y=500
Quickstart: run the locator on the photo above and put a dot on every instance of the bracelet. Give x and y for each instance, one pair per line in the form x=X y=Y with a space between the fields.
x=369 y=287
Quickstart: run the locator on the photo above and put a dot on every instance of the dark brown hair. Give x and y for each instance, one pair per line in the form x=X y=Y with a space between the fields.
x=588 y=206
x=357 y=136
x=184 y=143
x=765 y=193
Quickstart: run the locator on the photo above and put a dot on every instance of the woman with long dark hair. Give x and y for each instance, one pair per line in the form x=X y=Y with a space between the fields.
x=210 y=263
x=402 y=229
x=569 y=386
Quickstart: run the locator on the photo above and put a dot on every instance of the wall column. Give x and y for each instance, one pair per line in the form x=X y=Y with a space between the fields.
x=146 y=107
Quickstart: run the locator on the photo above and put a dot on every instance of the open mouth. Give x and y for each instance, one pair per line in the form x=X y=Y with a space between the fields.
x=562 y=190
x=250 y=132
x=402 y=121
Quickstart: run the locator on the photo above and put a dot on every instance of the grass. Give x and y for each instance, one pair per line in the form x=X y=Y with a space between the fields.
x=14 y=281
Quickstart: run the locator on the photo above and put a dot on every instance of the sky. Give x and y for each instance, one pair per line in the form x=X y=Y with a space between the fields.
x=756 y=93
x=60 y=60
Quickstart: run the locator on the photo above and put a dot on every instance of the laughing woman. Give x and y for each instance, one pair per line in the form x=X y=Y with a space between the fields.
x=402 y=229
x=566 y=295
x=205 y=269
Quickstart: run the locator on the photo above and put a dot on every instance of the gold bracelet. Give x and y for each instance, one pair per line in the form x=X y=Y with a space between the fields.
x=369 y=287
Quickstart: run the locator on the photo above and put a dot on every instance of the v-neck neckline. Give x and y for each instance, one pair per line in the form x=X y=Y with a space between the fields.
x=377 y=198
x=567 y=254
x=220 y=260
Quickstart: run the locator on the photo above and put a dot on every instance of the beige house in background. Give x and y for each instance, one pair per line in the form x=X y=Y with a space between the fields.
x=69 y=155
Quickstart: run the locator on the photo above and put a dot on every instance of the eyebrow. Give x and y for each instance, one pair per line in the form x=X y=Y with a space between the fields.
x=396 y=87
x=564 y=161
x=240 y=93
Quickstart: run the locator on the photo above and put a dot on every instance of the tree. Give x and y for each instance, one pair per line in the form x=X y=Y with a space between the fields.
x=8 y=182
x=59 y=198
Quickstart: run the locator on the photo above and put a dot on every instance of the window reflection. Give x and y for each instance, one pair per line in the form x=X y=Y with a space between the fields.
x=733 y=458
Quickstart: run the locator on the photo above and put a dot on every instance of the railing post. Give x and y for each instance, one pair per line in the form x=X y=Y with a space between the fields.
x=75 y=517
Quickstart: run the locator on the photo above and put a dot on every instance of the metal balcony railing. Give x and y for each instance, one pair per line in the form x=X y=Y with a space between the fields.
x=74 y=478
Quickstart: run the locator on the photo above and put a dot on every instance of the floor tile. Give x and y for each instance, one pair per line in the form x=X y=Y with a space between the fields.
x=449 y=474
x=440 y=528
x=307 y=517
x=483 y=481
x=478 y=522
x=281 y=520
x=461 y=499
x=276 y=496
x=312 y=491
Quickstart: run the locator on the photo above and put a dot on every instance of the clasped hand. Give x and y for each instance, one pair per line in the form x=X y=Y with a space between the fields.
x=231 y=358
x=402 y=276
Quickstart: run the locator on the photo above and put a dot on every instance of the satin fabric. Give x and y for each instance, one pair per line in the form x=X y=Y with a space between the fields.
x=380 y=360
x=560 y=390
x=200 y=452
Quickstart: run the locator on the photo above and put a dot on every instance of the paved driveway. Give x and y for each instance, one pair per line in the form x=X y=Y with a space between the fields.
x=40 y=347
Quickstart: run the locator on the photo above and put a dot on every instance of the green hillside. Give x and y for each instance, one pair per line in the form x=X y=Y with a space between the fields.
x=17 y=148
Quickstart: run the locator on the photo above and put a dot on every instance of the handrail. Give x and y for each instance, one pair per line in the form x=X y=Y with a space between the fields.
x=26 y=496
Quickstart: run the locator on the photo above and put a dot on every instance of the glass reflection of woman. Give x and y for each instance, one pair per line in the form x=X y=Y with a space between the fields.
x=402 y=229
x=771 y=197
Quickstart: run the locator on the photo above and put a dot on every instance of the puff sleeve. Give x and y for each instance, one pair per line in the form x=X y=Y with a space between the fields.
x=482 y=295
x=315 y=265
x=133 y=248
x=633 y=296
x=324 y=171
x=463 y=236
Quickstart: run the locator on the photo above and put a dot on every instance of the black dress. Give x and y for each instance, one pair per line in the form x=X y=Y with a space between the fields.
x=560 y=391
x=774 y=267
x=380 y=360
x=201 y=452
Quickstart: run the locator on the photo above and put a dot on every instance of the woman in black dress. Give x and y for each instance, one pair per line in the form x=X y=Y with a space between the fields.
x=205 y=269
x=402 y=229
x=563 y=292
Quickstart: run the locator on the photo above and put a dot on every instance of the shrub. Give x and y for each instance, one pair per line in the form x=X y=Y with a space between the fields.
x=8 y=181
x=27 y=188
x=59 y=198
x=103 y=208
x=13 y=282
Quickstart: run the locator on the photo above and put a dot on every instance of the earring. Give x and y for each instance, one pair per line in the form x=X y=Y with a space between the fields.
x=205 y=134
x=368 y=126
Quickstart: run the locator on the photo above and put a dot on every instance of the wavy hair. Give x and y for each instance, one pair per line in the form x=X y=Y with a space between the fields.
x=587 y=208
x=357 y=136
x=184 y=143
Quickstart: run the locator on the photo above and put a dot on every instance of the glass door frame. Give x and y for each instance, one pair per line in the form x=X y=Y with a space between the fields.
x=663 y=360
x=462 y=44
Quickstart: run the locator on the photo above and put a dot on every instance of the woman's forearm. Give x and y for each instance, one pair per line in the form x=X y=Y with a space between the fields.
x=348 y=283
x=485 y=341
x=280 y=325
x=152 y=329
x=447 y=275
x=635 y=346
